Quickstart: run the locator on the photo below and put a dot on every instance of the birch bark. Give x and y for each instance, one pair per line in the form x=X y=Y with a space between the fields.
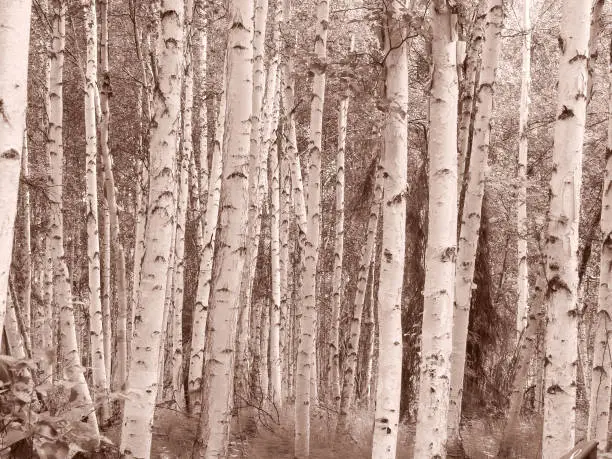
x=230 y=256
x=142 y=377
x=394 y=165
x=560 y=339
x=470 y=218
x=441 y=250
x=14 y=47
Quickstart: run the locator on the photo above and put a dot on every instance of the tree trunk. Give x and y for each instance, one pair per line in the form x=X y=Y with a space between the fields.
x=307 y=343
x=62 y=289
x=27 y=243
x=230 y=256
x=523 y=279
x=14 y=47
x=438 y=291
x=394 y=169
x=257 y=177
x=333 y=371
x=14 y=337
x=110 y=193
x=106 y=292
x=285 y=304
x=96 y=334
x=203 y=300
x=144 y=365
x=601 y=382
x=562 y=241
x=470 y=218
x=472 y=59
x=349 y=371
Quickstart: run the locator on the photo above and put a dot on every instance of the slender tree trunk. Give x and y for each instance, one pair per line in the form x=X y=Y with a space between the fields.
x=470 y=219
x=62 y=288
x=394 y=169
x=472 y=59
x=96 y=335
x=183 y=201
x=230 y=257
x=438 y=291
x=352 y=348
x=598 y=6
x=142 y=379
x=285 y=305
x=264 y=341
x=523 y=279
x=14 y=337
x=601 y=382
x=203 y=300
x=14 y=47
x=27 y=243
x=106 y=292
x=562 y=242
x=307 y=343
x=370 y=326
x=110 y=193
x=333 y=370
x=257 y=177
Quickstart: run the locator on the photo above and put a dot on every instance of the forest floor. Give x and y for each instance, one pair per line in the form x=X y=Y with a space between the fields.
x=174 y=435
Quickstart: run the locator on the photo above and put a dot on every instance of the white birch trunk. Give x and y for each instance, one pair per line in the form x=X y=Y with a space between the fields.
x=562 y=241
x=352 y=349
x=110 y=193
x=96 y=334
x=62 y=291
x=264 y=341
x=307 y=343
x=230 y=257
x=441 y=251
x=601 y=382
x=522 y=278
x=334 y=340
x=142 y=378
x=14 y=337
x=472 y=59
x=470 y=219
x=394 y=169
x=106 y=293
x=27 y=244
x=257 y=177
x=201 y=308
x=14 y=47
x=285 y=324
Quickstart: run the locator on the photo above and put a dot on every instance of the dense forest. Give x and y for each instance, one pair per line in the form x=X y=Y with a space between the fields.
x=284 y=229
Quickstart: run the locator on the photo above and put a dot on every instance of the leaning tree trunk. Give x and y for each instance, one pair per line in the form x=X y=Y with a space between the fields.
x=562 y=241
x=142 y=389
x=333 y=370
x=522 y=278
x=601 y=382
x=230 y=256
x=96 y=333
x=62 y=291
x=110 y=193
x=470 y=218
x=472 y=59
x=349 y=371
x=201 y=307
x=307 y=343
x=440 y=254
x=14 y=47
x=394 y=169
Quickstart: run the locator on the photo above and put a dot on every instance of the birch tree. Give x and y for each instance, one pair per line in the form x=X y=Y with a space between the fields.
x=394 y=165
x=110 y=194
x=14 y=47
x=62 y=290
x=334 y=341
x=438 y=292
x=523 y=279
x=27 y=242
x=142 y=380
x=91 y=179
x=601 y=382
x=349 y=370
x=470 y=218
x=562 y=240
x=230 y=256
